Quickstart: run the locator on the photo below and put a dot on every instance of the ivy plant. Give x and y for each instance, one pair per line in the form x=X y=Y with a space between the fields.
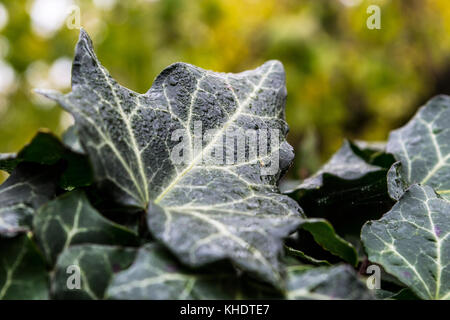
x=111 y=212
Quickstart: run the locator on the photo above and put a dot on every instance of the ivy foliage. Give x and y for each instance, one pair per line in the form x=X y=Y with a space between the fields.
x=110 y=203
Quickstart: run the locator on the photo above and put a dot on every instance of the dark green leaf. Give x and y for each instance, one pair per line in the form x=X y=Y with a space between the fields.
x=77 y=172
x=350 y=188
x=155 y=275
x=27 y=188
x=324 y=234
x=411 y=242
x=22 y=270
x=403 y=294
x=397 y=185
x=69 y=220
x=97 y=265
x=203 y=212
x=423 y=146
x=45 y=148
x=373 y=153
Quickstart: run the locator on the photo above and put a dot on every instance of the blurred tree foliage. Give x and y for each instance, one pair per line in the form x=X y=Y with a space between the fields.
x=343 y=79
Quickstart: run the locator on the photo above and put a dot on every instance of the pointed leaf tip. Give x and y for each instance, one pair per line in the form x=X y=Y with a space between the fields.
x=49 y=93
x=85 y=62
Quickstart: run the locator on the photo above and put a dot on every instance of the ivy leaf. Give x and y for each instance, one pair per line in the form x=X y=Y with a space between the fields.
x=203 y=212
x=351 y=162
x=27 y=188
x=411 y=242
x=156 y=275
x=97 y=265
x=23 y=275
x=46 y=149
x=324 y=234
x=70 y=219
x=77 y=173
x=404 y=294
x=349 y=189
x=338 y=282
x=423 y=146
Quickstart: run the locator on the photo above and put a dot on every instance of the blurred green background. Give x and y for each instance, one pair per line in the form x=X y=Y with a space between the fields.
x=343 y=79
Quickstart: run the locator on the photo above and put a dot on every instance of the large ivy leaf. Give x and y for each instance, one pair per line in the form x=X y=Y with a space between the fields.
x=27 y=188
x=202 y=211
x=97 y=265
x=23 y=275
x=349 y=189
x=339 y=282
x=411 y=242
x=70 y=219
x=156 y=275
x=423 y=146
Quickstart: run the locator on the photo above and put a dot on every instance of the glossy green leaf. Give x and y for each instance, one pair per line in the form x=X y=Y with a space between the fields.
x=156 y=275
x=45 y=148
x=338 y=282
x=349 y=189
x=325 y=235
x=411 y=242
x=203 y=212
x=423 y=146
x=70 y=219
x=23 y=275
x=27 y=188
x=96 y=265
